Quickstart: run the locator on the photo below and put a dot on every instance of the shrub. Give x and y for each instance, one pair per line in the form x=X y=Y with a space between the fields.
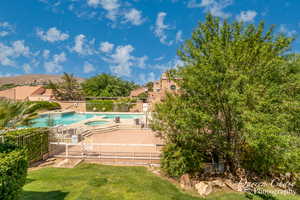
x=297 y=185
x=121 y=105
x=272 y=155
x=177 y=161
x=34 y=140
x=143 y=95
x=42 y=105
x=13 y=171
x=100 y=105
x=124 y=104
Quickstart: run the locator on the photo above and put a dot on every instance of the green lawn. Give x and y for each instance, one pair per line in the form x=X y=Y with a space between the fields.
x=91 y=181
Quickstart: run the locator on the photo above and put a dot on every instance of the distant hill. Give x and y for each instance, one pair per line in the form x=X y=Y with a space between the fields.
x=29 y=79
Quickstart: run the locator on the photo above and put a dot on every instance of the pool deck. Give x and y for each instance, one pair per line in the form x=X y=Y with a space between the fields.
x=123 y=142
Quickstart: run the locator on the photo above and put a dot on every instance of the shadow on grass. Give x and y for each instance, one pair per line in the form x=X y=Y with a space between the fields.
x=261 y=196
x=32 y=195
x=29 y=180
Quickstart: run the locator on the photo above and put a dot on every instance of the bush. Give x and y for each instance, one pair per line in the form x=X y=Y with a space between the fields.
x=13 y=171
x=177 y=161
x=121 y=105
x=100 y=105
x=297 y=185
x=34 y=140
x=42 y=105
x=272 y=155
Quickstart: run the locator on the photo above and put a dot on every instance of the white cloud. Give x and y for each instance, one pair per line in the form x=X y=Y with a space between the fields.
x=247 y=16
x=54 y=65
x=9 y=53
x=6 y=29
x=174 y=63
x=141 y=61
x=20 y=48
x=52 y=35
x=115 y=10
x=46 y=53
x=159 y=58
x=111 y=6
x=121 y=60
x=179 y=36
x=88 y=68
x=82 y=46
x=203 y=3
x=284 y=30
x=134 y=16
x=106 y=47
x=215 y=7
x=147 y=77
x=161 y=27
x=27 y=68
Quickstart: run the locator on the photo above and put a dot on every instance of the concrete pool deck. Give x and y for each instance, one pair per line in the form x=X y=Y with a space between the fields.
x=134 y=147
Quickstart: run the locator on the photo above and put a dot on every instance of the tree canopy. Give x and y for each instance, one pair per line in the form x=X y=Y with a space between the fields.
x=239 y=102
x=105 y=85
x=68 y=89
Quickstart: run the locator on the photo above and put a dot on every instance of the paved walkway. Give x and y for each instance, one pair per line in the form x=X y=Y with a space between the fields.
x=124 y=142
x=126 y=137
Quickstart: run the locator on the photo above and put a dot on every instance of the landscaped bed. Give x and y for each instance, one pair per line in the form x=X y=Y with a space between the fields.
x=92 y=181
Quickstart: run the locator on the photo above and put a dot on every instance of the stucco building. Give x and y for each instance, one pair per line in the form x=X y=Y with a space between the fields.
x=27 y=93
x=161 y=87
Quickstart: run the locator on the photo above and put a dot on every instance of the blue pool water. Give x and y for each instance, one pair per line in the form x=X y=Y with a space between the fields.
x=71 y=118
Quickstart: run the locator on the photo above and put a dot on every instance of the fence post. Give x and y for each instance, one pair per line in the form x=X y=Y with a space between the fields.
x=67 y=149
x=41 y=136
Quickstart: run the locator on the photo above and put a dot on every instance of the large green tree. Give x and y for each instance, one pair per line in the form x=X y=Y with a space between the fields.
x=239 y=102
x=105 y=85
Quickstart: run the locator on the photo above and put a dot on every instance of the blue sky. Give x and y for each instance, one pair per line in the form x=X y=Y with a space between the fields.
x=136 y=40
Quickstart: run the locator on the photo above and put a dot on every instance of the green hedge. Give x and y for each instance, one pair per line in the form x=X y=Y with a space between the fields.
x=122 y=105
x=100 y=105
x=42 y=105
x=13 y=171
x=35 y=140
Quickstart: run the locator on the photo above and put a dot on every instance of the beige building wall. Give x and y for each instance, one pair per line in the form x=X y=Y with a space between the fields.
x=8 y=94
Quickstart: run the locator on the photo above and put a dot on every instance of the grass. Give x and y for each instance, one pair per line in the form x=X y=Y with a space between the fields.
x=91 y=181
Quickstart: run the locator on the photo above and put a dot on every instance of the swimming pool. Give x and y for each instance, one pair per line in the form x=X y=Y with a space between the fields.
x=71 y=118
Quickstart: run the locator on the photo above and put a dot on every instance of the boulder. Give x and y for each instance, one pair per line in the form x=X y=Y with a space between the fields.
x=185 y=181
x=203 y=188
x=218 y=183
x=232 y=185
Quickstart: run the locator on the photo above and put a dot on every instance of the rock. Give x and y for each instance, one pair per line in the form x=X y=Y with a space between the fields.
x=51 y=159
x=185 y=181
x=203 y=188
x=47 y=164
x=218 y=183
x=232 y=185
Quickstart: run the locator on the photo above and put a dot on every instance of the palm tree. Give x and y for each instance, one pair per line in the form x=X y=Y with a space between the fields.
x=67 y=90
x=13 y=114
